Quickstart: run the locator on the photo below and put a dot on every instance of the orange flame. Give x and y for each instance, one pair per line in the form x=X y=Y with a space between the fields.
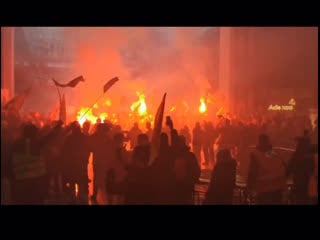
x=76 y=189
x=103 y=116
x=172 y=109
x=89 y=116
x=108 y=103
x=140 y=104
x=203 y=106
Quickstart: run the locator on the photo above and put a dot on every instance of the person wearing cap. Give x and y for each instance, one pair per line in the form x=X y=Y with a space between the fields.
x=267 y=173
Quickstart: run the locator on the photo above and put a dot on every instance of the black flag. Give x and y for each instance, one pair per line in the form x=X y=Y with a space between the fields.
x=110 y=83
x=72 y=83
x=17 y=102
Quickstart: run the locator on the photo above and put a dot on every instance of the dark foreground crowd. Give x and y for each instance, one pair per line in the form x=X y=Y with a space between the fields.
x=34 y=157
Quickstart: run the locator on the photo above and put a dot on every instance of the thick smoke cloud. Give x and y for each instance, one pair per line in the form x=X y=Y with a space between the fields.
x=149 y=60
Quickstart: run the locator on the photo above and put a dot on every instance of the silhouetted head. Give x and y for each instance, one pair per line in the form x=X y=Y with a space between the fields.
x=117 y=129
x=306 y=133
x=135 y=125
x=148 y=125
x=182 y=141
x=30 y=130
x=223 y=155
x=303 y=144
x=227 y=122
x=264 y=142
x=181 y=144
x=86 y=126
x=102 y=128
x=118 y=139
x=75 y=127
x=197 y=125
x=143 y=139
x=164 y=140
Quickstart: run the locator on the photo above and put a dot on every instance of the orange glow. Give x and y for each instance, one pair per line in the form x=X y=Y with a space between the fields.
x=203 y=106
x=220 y=111
x=138 y=113
x=172 y=109
x=81 y=118
x=140 y=105
x=103 y=116
x=108 y=103
x=76 y=189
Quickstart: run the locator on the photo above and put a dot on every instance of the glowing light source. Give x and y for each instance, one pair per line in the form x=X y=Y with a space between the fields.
x=108 y=103
x=172 y=109
x=139 y=105
x=203 y=106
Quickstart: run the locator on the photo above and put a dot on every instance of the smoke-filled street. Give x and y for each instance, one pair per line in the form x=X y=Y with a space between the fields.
x=159 y=115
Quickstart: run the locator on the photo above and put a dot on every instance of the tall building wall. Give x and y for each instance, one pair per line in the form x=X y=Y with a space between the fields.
x=268 y=65
x=7 y=61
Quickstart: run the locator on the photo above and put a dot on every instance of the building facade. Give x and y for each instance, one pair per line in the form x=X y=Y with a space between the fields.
x=260 y=66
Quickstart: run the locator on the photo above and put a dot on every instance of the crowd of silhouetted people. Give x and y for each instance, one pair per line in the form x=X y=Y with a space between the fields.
x=47 y=159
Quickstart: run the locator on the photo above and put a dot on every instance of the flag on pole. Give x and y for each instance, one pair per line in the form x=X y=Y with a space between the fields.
x=72 y=83
x=155 y=140
x=17 y=102
x=63 y=110
x=110 y=83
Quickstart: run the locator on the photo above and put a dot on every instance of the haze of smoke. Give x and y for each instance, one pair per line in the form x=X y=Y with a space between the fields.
x=150 y=60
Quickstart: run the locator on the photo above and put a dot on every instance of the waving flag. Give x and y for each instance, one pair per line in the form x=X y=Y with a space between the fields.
x=17 y=102
x=155 y=140
x=110 y=83
x=72 y=83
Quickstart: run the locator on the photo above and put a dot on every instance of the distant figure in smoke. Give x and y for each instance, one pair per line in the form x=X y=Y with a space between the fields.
x=208 y=141
x=197 y=141
x=133 y=135
x=223 y=179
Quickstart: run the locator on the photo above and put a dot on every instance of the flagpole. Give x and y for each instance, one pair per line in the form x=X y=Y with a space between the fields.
x=91 y=106
x=59 y=95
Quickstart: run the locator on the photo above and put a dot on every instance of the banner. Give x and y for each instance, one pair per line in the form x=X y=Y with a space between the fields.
x=155 y=140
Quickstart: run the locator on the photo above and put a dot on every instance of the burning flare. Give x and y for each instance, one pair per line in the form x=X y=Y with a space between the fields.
x=203 y=106
x=89 y=116
x=140 y=104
